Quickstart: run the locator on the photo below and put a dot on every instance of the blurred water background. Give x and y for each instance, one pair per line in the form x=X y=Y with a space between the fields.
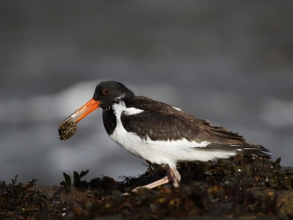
x=230 y=62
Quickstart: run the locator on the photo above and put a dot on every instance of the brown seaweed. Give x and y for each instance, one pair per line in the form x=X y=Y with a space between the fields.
x=238 y=187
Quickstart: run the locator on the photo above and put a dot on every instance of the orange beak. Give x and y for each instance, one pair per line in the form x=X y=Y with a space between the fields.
x=87 y=108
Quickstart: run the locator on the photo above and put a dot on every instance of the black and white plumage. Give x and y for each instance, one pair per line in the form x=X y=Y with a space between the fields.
x=161 y=133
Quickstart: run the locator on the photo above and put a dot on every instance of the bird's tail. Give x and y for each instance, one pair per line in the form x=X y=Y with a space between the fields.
x=257 y=150
x=244 y=148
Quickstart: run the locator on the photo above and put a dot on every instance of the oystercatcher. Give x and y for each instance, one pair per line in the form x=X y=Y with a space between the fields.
x=161 y=133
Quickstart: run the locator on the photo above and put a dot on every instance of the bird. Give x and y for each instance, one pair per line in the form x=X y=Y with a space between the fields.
x=160 y=133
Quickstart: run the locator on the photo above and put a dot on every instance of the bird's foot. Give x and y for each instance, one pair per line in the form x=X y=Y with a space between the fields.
x=159 y=182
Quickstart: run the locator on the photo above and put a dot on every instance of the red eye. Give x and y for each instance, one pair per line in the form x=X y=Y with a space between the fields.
x=106 y=91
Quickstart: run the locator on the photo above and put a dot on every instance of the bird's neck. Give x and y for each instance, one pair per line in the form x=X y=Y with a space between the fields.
x=109 y=120
x=109 y=116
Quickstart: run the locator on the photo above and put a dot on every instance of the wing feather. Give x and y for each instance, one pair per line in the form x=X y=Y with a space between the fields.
x=160 y=121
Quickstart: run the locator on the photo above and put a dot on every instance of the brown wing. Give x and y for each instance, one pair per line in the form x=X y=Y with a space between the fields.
x=160 y=121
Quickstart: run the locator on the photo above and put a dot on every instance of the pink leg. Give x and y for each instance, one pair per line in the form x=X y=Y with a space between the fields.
x=172 y=174
x=175 y=175
x=159 y=182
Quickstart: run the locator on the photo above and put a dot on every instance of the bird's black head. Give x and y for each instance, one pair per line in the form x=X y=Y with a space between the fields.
x=105 y=95
x=109 y=92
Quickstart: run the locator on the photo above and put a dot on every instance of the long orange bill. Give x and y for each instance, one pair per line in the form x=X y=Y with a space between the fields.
x=87 y=108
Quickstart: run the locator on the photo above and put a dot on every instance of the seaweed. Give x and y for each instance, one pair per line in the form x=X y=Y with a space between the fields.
x=242 y=186
x=77 y=179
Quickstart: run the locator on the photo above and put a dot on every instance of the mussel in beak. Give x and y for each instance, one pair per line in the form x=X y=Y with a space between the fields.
x=67 y=130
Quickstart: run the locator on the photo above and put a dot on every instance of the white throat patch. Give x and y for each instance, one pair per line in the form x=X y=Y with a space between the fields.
x=120 y=107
